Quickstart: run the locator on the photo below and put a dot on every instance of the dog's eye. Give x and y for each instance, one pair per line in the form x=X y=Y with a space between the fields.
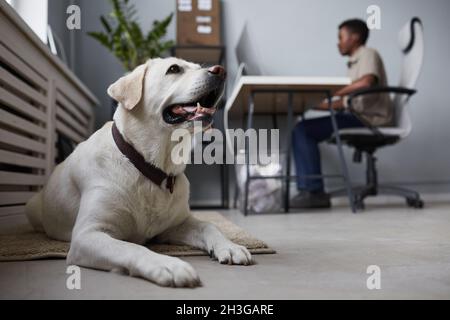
x=174 y=69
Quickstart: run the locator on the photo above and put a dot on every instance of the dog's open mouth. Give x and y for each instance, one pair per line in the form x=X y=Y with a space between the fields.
x=201 y=109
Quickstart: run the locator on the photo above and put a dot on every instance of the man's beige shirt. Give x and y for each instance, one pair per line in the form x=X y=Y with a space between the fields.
x=377 y=108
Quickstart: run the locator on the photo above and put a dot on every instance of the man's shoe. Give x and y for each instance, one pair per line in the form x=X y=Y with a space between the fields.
x=308 y=200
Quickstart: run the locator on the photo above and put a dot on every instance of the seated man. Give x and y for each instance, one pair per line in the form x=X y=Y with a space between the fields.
x=365 y=68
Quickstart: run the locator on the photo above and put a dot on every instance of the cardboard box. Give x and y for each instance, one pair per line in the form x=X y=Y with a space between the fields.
x=198 y=22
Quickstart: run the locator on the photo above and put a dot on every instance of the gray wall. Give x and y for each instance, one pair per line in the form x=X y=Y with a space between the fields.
x=298 y=37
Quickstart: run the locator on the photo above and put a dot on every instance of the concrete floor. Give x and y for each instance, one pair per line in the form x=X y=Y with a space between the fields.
x=321 y=255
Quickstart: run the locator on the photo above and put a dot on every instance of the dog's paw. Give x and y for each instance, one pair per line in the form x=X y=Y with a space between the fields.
x=230 y=253
x=172 y=272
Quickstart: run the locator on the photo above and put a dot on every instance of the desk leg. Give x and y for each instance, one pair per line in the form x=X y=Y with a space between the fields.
x=236 y=195
x=274 y=121
x=288 y=153
x=251 y=107
x=341 y=155
x=237 y=192
x=225 y=185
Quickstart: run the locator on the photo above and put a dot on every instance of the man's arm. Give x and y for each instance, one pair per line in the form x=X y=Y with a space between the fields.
x=366 y=81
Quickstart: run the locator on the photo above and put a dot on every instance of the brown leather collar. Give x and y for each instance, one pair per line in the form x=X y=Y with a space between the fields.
x=153 y=173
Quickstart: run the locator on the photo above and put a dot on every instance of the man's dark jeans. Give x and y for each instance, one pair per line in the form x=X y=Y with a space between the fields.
x=306 y=137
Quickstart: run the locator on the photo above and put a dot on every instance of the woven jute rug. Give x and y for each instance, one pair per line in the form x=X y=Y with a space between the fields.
x=30 y=245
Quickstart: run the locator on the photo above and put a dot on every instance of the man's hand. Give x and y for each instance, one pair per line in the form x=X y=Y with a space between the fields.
x=337 y=103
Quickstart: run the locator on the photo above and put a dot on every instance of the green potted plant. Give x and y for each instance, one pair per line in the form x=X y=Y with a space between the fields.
x=125 y=39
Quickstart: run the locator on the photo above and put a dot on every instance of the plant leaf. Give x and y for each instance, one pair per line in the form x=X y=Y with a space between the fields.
x=105 y=24
x=125 y=39
x=102 y=38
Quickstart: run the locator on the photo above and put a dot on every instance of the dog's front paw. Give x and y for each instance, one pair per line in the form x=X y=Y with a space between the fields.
x=172 y=272
x=230 y=253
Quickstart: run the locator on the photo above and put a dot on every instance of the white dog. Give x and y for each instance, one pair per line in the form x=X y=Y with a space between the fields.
x=108 y=208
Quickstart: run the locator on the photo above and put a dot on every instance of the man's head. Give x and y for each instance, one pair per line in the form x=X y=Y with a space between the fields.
x=352 y=34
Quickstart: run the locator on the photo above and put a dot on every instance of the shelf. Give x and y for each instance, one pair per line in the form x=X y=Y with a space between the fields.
x=200 y=54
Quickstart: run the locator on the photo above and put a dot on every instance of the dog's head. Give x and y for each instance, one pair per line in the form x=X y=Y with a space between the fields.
x=171 y=91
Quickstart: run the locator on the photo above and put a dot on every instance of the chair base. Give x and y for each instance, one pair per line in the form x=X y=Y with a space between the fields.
x=412 y=198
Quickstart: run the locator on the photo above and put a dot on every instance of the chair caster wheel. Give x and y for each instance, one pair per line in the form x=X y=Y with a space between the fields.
x=415 y=203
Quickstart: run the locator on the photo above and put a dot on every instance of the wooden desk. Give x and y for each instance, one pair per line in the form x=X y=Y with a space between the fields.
x=270 y=95
x=276 y=102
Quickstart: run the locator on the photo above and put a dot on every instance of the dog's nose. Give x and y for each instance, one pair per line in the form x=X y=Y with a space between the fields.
x=218 y=71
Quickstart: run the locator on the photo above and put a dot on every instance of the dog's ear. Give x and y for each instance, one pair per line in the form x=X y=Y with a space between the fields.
x=128 y=89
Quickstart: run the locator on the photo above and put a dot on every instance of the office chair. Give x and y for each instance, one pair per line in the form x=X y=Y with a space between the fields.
x=367 y=140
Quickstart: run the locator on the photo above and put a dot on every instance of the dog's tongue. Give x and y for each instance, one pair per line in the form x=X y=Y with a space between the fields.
x=183 y=110
x=194 y=112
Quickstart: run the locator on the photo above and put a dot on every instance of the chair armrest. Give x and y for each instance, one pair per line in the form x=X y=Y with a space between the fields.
x=371 y=90
x=398 y=90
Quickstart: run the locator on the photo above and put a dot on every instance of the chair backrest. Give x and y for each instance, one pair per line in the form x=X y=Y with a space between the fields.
x=412 y=44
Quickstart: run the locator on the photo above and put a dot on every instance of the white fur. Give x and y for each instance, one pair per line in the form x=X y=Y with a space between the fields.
x=101 y=203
